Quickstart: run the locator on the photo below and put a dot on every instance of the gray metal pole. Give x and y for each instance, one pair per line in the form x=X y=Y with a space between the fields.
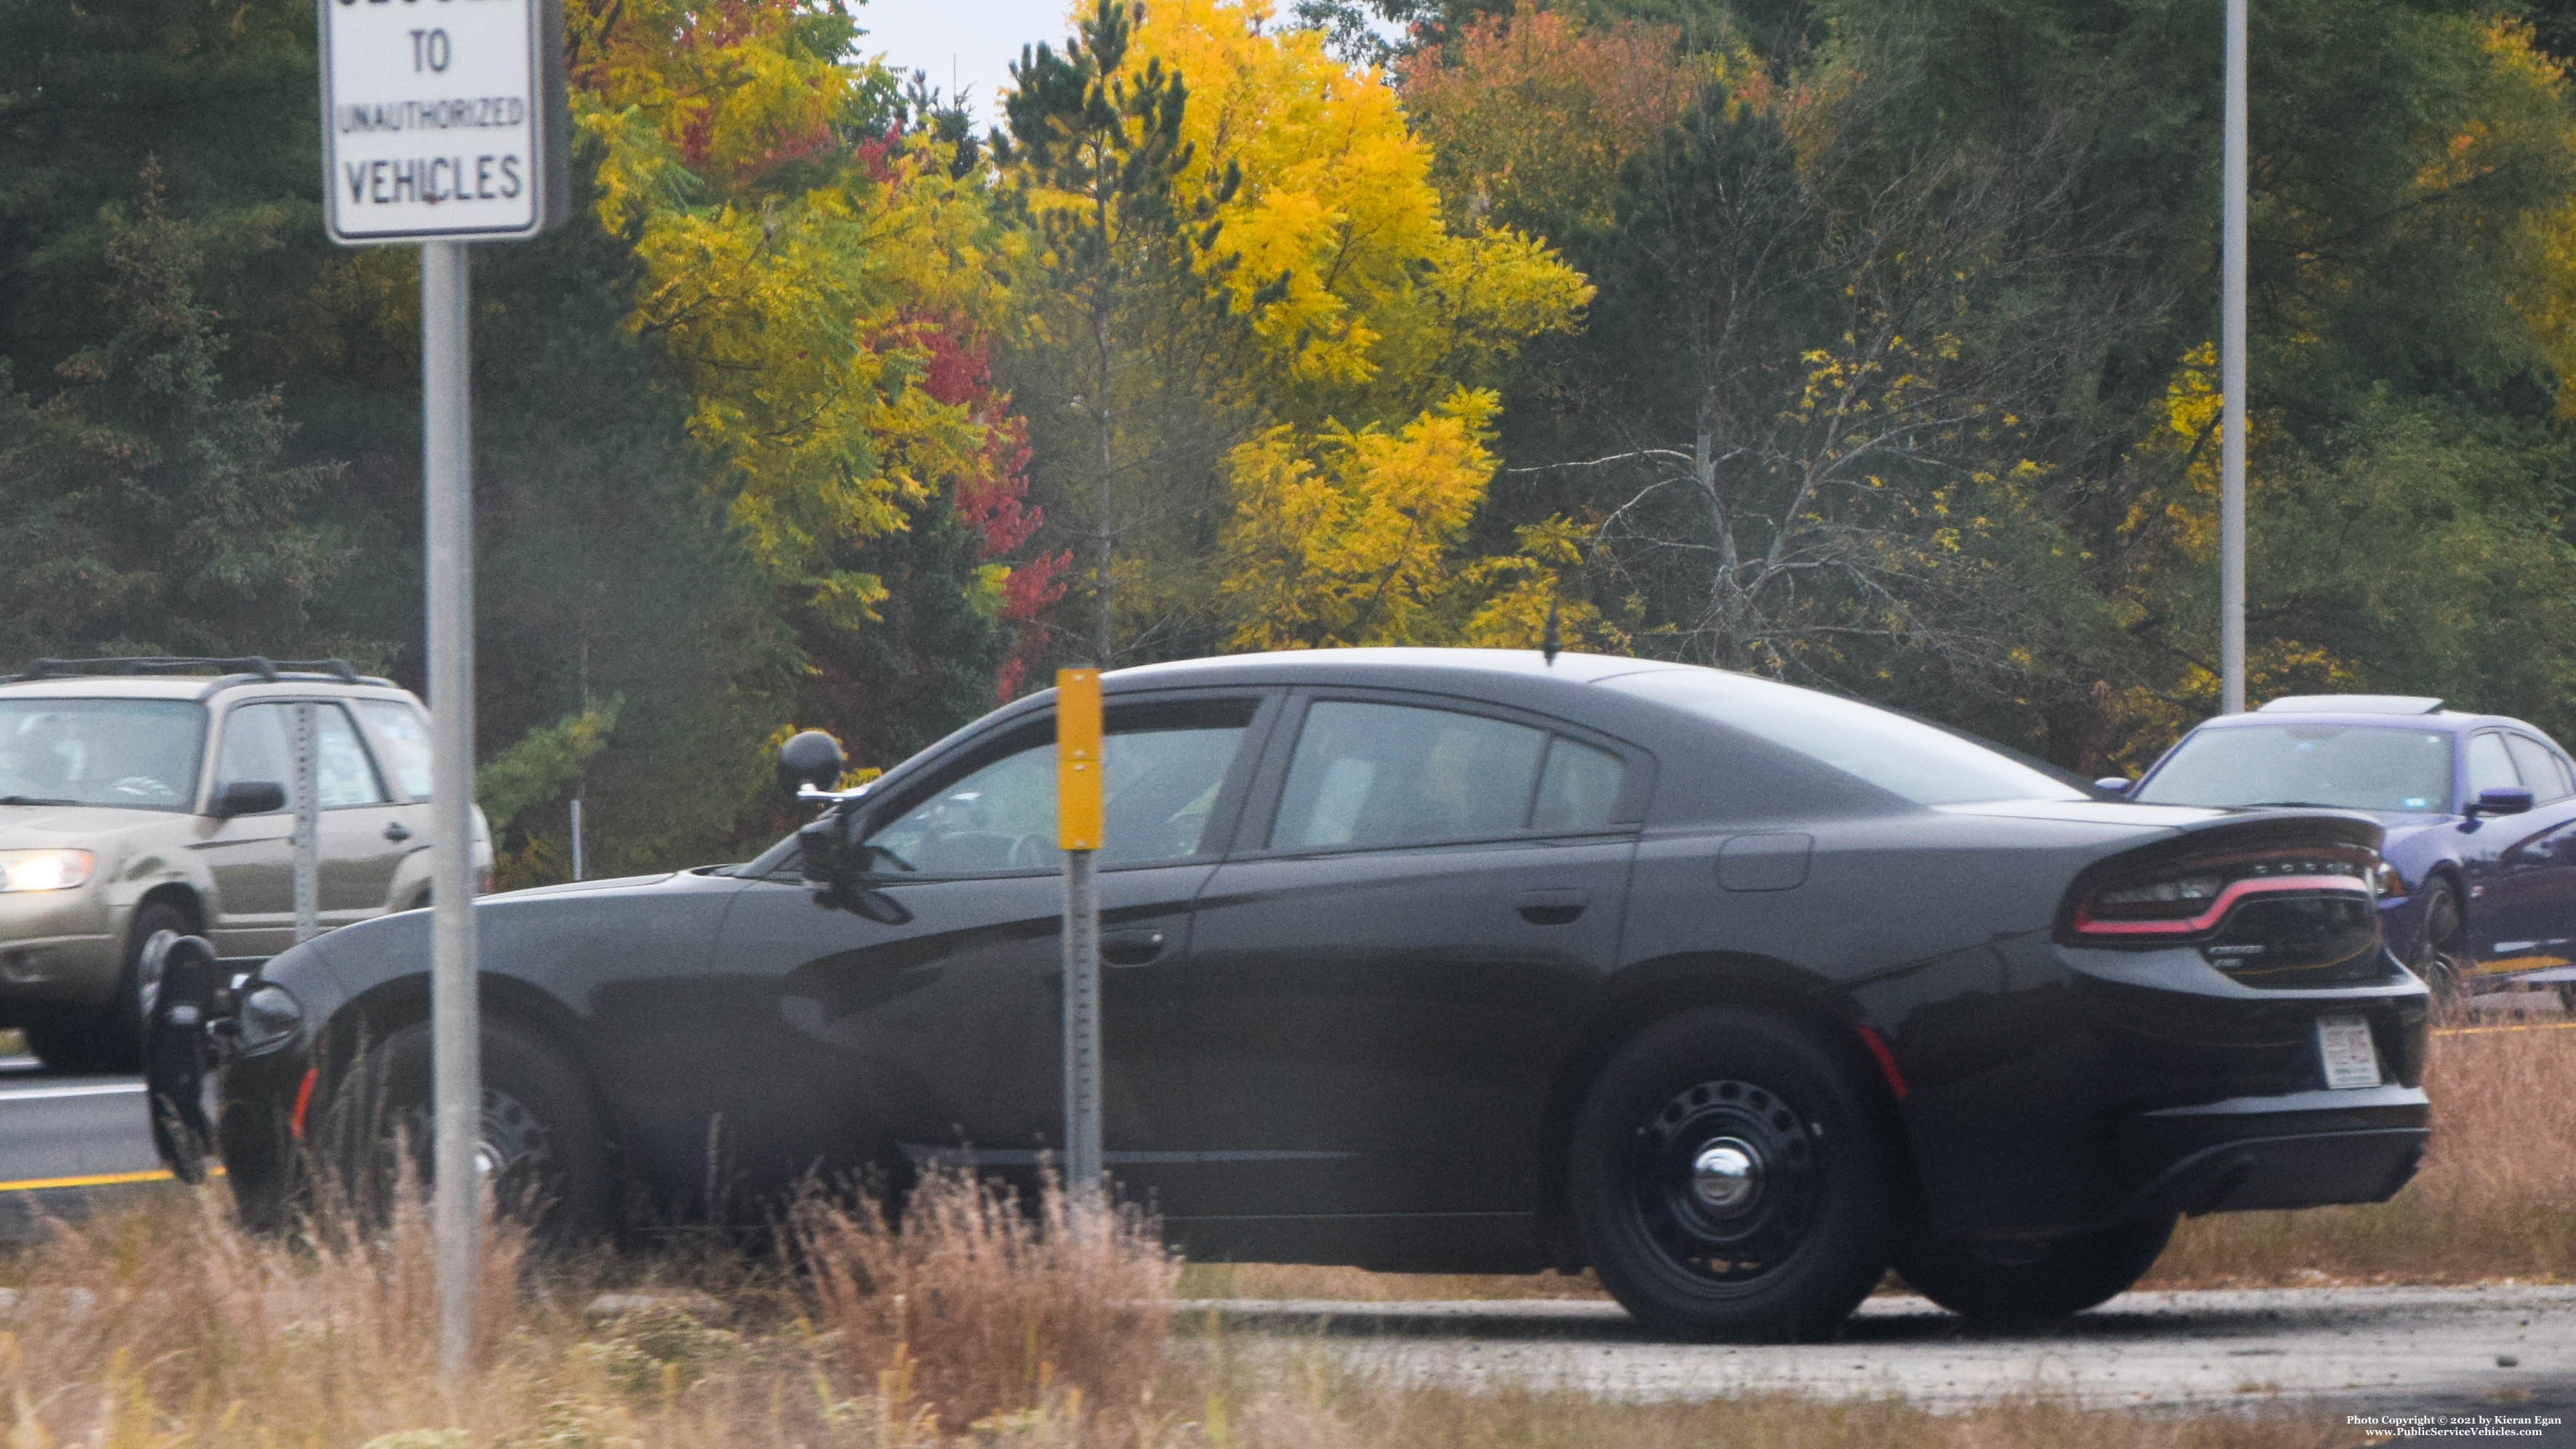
x=576 y=838
x=456 y=1047
x=1081 y=1024
x=2231 y=374
x=308 y=828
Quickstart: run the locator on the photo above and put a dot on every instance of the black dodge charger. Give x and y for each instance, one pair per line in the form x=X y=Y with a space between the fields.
x=1736 y=992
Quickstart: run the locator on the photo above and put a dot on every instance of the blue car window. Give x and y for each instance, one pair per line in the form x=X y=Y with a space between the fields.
x=2539 y=768
x=2490 y=768
x=2351 y=767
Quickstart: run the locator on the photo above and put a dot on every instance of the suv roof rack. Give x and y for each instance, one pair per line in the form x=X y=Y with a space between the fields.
x=2352 y=704
x=269 y=670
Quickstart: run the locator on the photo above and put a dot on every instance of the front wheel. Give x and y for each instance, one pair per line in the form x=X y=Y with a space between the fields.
x=2442 y=957
x=542 y=1145
x=1729 y=1180
x=2037 y=1283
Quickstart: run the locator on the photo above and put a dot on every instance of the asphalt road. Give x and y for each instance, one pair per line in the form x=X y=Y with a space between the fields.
x=67 y=1143
x=2503 y=1350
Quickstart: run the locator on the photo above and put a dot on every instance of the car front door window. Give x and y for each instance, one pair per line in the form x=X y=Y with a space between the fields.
x=1160 y=778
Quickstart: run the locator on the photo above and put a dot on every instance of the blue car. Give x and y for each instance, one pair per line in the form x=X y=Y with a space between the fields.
x=2480 y=812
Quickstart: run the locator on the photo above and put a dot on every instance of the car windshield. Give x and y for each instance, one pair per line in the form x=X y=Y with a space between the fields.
x=2355 y=767
x=137 y=753
x=1915 y=761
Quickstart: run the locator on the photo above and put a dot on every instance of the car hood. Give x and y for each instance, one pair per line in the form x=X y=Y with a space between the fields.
x=583 y=887
x=36 y=827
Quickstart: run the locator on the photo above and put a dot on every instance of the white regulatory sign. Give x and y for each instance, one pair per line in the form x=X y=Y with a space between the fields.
x=442 y=119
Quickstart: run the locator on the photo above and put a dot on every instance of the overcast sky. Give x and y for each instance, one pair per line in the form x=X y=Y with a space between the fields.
x=966 y=47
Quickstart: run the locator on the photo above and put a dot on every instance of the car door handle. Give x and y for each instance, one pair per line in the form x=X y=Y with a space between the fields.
x=1135 y=947
x=1553 y=905
x=397 y=832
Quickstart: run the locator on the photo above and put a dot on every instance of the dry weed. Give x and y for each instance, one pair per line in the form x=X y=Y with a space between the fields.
x=979 y=1308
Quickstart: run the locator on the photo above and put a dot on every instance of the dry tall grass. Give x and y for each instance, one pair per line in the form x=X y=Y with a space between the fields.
x=979 y=1308
x=168 y=1327
x=2496 y=1197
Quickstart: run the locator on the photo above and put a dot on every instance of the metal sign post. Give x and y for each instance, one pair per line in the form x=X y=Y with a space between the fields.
x=1077 y=827
x=308 y=829
x=443 y=124
x=2231 y=379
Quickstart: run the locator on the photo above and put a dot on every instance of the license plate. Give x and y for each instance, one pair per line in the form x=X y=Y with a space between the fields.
x=2344 y=1044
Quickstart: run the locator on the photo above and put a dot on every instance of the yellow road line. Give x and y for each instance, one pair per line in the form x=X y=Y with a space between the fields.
x=2526 y=1026
x=96 y=1179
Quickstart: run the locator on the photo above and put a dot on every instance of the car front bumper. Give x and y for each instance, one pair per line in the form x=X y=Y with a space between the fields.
x=57 y=948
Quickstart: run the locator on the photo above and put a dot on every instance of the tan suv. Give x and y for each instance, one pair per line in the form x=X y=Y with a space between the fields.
x=146 y=795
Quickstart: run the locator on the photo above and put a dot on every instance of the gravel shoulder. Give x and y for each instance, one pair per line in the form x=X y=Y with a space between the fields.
x=2502 y=1350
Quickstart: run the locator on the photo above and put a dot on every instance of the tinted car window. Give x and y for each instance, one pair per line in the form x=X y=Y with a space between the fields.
x=2490 y=768
x=1159 y=786
x=2539 y=768
x=1385 y=774
x=2352 y=767
x=1579 y=789
x=1904 y=757
x=138 y=753
x=258 y=745
x=405 y=738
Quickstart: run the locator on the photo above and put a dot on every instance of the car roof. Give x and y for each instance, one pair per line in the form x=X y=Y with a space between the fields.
x=2447 y=721
x=193 y=687
x=1392 y=668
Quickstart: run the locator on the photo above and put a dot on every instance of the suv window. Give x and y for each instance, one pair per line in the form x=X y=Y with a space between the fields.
x=1390 y=774
x=1162 y=768
x=398 y=728
x=258 y=745
x=2490 y=768
x=137 y=753
x=2540 y=770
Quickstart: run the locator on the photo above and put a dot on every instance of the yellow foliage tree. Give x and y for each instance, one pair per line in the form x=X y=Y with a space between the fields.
x=1372 y=323
x=797 y=250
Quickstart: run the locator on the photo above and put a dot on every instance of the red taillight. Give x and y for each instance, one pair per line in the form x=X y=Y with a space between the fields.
x=2192 y=898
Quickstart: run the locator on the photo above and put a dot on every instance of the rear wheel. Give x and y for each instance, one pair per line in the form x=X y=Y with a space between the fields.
x=1728 y=1180
x=2442 y=957
x=541 y=1147
x=2032 y=1285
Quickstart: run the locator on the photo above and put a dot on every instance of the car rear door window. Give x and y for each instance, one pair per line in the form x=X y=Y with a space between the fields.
x=2490 y=768
x=2540 y=770
x=1579 y=789
x=1385 y=774
x=405 y=739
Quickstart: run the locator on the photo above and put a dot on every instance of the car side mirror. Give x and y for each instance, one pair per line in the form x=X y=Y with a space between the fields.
x=2114 y=784
x=2500 y=800
x=823 y=849
x=251 y=797
x=811 y=757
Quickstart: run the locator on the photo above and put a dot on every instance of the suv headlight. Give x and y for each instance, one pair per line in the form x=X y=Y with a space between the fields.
x=44 y=870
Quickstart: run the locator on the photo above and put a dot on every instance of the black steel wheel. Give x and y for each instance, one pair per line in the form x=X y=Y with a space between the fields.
x=1728 y=1179
x=541 y=1147
x=2037 y=1282
x=2442 y=956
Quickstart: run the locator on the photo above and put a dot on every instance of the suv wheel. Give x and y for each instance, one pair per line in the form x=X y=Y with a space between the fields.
x=110 y=1040
x=1728 y=1180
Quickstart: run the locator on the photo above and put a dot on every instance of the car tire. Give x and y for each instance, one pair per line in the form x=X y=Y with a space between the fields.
x=109 y=1040
x=542 y=1125
x=2441 y=955
x=1728 y=1179
x=1994 y=1285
